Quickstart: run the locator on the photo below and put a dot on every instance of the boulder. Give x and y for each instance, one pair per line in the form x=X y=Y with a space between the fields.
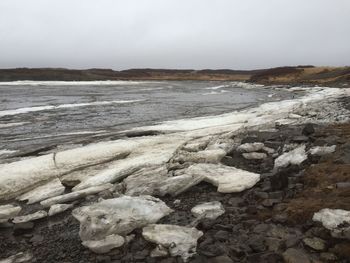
x=210 y=210
x=315 y=243
x=178 y=240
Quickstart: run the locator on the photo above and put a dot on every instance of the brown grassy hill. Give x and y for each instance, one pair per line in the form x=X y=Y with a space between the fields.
x=281 y=75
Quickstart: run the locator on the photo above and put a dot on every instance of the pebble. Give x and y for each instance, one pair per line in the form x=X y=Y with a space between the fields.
x=315 y=243
x=293 y=255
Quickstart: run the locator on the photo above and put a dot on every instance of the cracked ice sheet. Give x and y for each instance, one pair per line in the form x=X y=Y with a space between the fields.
x=19 y=177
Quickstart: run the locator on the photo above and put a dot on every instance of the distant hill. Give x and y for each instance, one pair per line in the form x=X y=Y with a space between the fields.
x=281 y=75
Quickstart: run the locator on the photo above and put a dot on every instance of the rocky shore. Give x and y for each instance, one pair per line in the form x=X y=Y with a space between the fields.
x=271 y=184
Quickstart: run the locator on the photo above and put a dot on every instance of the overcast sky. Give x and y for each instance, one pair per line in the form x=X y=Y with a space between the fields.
x=121 y=34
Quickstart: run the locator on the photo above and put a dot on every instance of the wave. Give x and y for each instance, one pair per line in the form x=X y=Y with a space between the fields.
x=218 y=87
x=72 y=83
x=215 y=92
x=6 y=152
x=12 y=124
x=63 y=106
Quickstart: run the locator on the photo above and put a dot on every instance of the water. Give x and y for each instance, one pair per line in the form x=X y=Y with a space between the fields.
x=39 y=115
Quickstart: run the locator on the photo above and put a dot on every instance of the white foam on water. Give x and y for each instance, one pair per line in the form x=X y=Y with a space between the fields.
x=73 y=83
x=217 y=87
x=215 y=92
x=6 y=152
x=150 y=89
x=63 y=106
x=14 y=124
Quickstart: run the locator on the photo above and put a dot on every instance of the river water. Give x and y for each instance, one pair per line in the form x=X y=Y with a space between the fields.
x=37 y=117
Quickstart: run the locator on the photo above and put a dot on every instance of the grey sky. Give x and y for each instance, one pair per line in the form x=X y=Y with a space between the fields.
x=120 y=34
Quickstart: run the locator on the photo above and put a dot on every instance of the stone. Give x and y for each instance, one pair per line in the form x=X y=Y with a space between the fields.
x=294 y=157
x=268 y=150
x=274 y=244
x=180 y=241
x=315 y=243
x=59 y=208
x=343 y=185
x=23 y=226
x=292 y=255
x=118 y=216
x=326 y=256
x=104 y=245
x=210 y=210
x=308 y=129
x=250 y=147
x=222 y=235
x=300 y=139
x=236 y=201
x=254 y=156
x=221 y=259
x=227 y=179
x=31 y=217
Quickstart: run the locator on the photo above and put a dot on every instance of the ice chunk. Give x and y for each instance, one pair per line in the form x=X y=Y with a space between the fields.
x=210 y=210
x=322 y=150
x=8 y=211
x=59 y=208
x=179 y=240
x=251 y=147
x=31 y=217
x=43 y=192
x=227 y=179
x=118 y=216
x=75 y=195
x=332 y=218
x=254 y=156
x=104 y=245
x=296 y=157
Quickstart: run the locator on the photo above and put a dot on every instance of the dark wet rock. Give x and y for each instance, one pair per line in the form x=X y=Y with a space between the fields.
x=261 y=195
x=261 y=228
x=343 y=185
x=276 y=195
x=274 y=244
x=37 y=239
x=270 y=202
x=280 y=218
x=279 y=180
x=212 y=250
x=23 y=227
x=222 y=235
x=308 y=129
x=256 y=243
x=221 y=259
x=293 y=255
x=315 y=243
x=236 y=201
x=328 y=257
x=300 y=139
